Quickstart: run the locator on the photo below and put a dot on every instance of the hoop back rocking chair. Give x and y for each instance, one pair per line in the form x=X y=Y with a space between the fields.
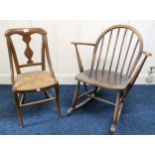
x=117 y=60
x=41 y=80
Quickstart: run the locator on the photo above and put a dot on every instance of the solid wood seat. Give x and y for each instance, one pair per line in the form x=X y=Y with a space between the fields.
x=33 y=80
x=104 y=79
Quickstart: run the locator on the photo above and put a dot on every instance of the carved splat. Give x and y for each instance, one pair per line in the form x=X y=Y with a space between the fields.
x=28 y=51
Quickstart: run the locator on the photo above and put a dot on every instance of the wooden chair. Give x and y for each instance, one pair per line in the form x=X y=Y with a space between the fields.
x=117 y=59
x=33 y=81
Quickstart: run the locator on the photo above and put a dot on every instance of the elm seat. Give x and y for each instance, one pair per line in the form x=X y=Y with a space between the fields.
x=104 y=79
x=33 y=81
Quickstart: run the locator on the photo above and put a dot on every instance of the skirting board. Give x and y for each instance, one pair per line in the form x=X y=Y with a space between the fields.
x=70 y=79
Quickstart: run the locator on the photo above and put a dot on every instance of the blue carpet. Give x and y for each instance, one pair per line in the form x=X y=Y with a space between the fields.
x=138 y=114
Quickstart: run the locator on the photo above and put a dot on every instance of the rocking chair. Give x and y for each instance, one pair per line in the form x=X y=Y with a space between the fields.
x=117 y=60
x=33 y=81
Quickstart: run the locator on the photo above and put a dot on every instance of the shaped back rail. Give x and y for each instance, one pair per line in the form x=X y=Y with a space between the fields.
x=26 y=37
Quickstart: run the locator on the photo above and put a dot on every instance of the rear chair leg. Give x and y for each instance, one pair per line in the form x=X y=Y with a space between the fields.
x=85 y=86
x=117 y=111
x=86 y=89
x=76 y=106
x=45 y=93
x=57 y=100
x=96 y=90
x=18 y=109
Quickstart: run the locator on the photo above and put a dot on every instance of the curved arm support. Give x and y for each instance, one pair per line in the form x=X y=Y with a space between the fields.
x=80 y=65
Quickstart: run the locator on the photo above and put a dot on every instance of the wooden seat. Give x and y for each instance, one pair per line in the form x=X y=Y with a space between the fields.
x=33 y=81
x=104 y=79
x=37 y=80
x=117 y=60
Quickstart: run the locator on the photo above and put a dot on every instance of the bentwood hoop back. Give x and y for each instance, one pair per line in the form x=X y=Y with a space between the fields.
x=117 y=60
x=35 y=81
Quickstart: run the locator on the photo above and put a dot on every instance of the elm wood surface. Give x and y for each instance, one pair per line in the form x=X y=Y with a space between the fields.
x=117 y=60
x=41 y=80
x=105 y=79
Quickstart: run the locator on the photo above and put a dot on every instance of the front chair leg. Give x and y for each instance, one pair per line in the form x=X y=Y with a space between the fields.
x=116 y=113
x=57 y=100
x=76 y=92
x=18 y=109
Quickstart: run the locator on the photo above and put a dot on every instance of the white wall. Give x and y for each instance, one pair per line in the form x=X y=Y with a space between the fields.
x=61 y=33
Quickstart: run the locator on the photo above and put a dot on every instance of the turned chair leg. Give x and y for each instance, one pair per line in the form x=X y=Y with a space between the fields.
x=57 y=100
x=18 y=109
x=116 y=113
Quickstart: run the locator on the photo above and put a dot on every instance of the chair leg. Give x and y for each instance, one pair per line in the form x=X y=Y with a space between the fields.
x=117 y=110
x=85 y=86
x=24 y=97
x=18 y=109
x=86 y=89
x=76 y=106
x=57 y=100
x=76 y=92
x=45 y=93
x=96 y=90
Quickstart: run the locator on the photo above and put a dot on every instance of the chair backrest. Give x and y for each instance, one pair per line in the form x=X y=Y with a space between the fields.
x=117 y=49
x=26 y=34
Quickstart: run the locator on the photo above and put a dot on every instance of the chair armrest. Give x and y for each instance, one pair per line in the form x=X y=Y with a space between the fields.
x=147 y=53
x=81 y=69
x=83 y=43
